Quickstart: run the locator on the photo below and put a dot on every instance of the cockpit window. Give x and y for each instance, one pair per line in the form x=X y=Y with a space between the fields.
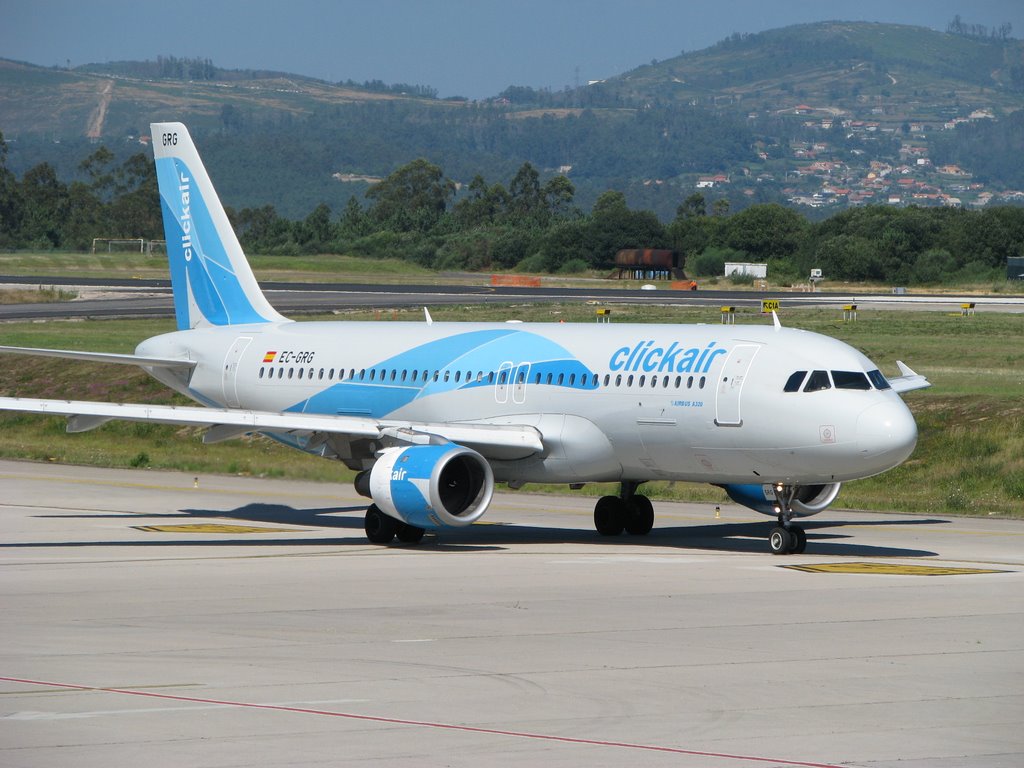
x=817 y=381
x=879 y=380
x=850 y=380
x=793 y=382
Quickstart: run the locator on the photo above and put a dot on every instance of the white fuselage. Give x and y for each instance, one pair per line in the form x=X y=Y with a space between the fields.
x=630 y=402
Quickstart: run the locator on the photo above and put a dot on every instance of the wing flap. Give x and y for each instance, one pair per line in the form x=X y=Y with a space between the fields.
x=232 y=422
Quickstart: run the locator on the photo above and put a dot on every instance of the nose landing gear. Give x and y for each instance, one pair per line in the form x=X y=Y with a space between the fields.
x=786 y=538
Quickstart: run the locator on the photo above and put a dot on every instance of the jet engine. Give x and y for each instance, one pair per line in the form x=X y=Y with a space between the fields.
x=430 y=486
x=806 y=500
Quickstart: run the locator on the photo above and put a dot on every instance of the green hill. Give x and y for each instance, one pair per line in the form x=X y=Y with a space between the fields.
x=906 y=72
x=765 y=113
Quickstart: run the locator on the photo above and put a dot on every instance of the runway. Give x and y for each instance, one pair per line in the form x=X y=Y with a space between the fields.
x=282 y=638
x=152 y=298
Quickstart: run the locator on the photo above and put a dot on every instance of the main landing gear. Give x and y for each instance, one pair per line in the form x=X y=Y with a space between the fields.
x=786 y=538
x=628 y=512
x=381 y=528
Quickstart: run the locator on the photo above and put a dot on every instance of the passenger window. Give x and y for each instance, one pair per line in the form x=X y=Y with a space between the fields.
x=607 y=378
x=679 y=380
x=536 y=378
x=280 y=373
x=330 y=375
x=629 y=381
x=817 y=381
x=689 y=382
x=850 y=380
x=618 y=380
x=300 y=372
x=291 y=372
x=794 y=381
x=702 y=380
x=548 y=381
x=879 y=380
x=572 y=379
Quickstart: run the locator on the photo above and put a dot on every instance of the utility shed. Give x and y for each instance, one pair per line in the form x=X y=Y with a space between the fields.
x=1015 y=268
x=746 y=268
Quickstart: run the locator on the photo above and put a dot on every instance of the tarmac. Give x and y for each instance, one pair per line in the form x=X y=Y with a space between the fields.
x=160 y=619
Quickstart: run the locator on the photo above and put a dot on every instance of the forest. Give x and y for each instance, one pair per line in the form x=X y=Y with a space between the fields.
x=417 y=213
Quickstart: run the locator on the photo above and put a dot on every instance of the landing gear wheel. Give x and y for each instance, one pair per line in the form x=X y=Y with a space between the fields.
x=800 y=540
x=610 y=515
x=781 y=541
x=380 y=528
x=409 y=534
x=639 y=516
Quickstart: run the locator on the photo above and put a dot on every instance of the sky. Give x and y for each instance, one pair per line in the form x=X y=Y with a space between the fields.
x=472 y=48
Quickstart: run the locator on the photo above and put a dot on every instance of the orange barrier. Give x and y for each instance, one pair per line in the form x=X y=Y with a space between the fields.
x=516 y=281
x=684 y=285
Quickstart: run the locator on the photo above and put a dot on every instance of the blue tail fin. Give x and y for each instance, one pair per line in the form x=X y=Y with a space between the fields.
x=211 y=278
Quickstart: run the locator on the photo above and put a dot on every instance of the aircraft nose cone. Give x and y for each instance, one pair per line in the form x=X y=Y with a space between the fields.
x=886 y=434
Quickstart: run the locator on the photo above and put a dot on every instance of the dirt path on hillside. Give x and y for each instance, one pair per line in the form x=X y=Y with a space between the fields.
x=95 y=128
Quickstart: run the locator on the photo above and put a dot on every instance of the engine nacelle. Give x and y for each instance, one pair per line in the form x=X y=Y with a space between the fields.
x=432 y=486
x=807 y=499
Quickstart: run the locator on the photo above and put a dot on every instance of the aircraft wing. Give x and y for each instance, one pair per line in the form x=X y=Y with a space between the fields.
x=225 y=423
x=101 y=357
x=908 y=379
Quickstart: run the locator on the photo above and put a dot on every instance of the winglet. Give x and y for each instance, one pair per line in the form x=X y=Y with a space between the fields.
x=905 y=370
x=426 y=314
x=775 y=320
x=908 y=380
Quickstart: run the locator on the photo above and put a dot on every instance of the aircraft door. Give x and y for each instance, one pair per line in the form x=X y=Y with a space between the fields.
x=231 y=360
x=521 y=377
x=730 y=385
x=503 y=382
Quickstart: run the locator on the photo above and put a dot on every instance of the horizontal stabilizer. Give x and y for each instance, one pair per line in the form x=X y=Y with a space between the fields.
x=101 y=357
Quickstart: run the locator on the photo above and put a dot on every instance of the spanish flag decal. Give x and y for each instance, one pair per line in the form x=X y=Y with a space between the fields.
x=269 y=357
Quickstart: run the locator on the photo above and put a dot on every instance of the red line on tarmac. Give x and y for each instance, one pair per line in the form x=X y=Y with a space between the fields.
x=420 y=723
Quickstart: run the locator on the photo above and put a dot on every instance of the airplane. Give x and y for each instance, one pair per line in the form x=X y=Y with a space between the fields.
x=431 y=415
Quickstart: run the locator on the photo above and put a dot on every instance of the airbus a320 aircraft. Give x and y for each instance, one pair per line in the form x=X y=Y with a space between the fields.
x=432 y=415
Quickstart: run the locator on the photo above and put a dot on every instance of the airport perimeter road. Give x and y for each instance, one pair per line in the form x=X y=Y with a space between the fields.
x=147 y=621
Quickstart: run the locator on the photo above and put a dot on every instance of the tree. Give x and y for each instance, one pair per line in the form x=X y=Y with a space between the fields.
x=525 y=201
x=413 y=198
x=766 y=231
x=612 y=227
x=558 y=196
x=694 y=205
x=45 y=205
x=10 y=201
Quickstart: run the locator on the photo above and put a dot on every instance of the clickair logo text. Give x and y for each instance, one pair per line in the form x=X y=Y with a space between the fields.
x=185 y=217
x=644 y=356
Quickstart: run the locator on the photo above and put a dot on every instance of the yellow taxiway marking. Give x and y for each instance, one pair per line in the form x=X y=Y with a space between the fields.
x=212 y=528
x=890 y=569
